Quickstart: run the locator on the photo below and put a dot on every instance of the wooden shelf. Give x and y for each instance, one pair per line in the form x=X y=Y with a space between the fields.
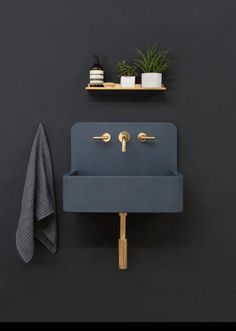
x=117 y=87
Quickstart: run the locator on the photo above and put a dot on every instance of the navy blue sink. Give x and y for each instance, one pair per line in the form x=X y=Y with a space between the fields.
x=144 y=179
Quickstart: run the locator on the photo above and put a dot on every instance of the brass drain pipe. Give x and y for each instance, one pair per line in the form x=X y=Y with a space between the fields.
x=123 y=242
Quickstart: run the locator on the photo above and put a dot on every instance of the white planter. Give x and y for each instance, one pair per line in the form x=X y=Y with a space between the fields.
x=127 y=81
x=151 y=79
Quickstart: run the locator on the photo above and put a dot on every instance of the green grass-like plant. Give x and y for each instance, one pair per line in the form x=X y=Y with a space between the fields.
x=125 y=69
x=153 y=59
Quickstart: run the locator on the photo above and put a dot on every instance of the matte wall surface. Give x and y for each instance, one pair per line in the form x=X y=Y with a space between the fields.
x=181 y=266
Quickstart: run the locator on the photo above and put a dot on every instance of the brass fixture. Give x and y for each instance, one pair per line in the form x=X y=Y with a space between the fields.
x=124 y=138
x=106 y=137
x=123 y=242
x=142 y=137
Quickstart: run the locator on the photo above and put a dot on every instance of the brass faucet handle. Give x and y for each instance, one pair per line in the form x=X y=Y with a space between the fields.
x=106 y=137
x=142 y=137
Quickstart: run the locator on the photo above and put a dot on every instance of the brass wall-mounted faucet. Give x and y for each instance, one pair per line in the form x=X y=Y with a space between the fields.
x=124 y=138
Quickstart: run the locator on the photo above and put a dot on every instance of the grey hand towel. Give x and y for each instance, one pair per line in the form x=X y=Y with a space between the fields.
x=38 y=213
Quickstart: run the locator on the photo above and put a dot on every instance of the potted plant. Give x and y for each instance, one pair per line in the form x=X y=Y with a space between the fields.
x=127 y=73
x=152 y=64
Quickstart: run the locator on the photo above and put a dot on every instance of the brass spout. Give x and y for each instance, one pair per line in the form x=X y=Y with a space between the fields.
x=124 y=138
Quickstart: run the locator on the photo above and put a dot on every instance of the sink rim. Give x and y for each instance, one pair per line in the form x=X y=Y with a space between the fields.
x=75 y=173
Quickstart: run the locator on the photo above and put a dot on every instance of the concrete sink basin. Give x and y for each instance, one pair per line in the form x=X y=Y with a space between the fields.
x=123 y=168
x=133 y=194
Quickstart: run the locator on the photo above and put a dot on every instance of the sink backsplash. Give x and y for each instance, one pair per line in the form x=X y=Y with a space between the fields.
x=95 y=157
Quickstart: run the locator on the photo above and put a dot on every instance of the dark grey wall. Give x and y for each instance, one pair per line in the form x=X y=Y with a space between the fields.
x=181 y=267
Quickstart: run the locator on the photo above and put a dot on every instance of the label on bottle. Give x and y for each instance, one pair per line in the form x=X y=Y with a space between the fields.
x=96 y=77
x=100 y=72
x=96 y=82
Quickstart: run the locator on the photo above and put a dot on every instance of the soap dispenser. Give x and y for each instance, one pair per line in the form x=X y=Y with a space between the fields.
x=96 y=73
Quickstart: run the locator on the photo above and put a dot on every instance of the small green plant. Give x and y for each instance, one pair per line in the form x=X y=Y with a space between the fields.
x=125 y=69
x=152 y=60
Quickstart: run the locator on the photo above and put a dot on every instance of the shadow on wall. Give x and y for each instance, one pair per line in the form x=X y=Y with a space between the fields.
x=127 y=96
x=143 y=230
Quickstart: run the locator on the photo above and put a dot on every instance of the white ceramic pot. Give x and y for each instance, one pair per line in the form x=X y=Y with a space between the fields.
x=151 y=79
x=127 y=81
